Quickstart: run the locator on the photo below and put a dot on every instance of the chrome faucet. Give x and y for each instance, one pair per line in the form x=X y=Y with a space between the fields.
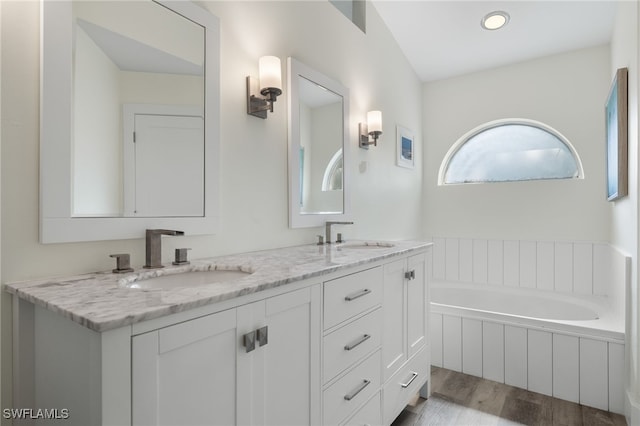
x=153 y=242
x=327 y=233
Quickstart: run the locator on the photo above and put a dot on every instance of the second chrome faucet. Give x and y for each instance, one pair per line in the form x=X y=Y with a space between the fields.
x=327 y=232
x=153 y=243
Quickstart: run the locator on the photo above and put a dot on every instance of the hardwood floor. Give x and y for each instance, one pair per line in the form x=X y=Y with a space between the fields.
x=460 y=399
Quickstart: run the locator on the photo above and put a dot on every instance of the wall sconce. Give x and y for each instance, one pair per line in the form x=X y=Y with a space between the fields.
x=261 y=94
x=373 y=128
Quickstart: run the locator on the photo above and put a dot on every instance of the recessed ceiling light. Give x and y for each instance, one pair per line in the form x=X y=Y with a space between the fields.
x=495 y=20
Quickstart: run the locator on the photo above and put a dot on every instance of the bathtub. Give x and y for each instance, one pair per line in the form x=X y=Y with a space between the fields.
x=563 y=345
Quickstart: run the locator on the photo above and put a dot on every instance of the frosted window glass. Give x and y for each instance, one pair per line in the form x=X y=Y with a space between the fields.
x=511 y=152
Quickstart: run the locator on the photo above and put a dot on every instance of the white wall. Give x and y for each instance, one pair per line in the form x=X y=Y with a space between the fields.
x=565 y=91
x=326 y=135
x=253 y=156
x=624 y=229
x=97 y=164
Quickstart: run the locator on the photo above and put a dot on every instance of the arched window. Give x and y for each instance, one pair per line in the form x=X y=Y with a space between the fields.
x=332 y=180
x=510 y=150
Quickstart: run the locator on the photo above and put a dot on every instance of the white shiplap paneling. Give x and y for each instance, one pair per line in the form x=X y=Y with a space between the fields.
x=495 y=261
x=528 y=255
x=512 y=263
x=480 y=261
x=545 y=259
x=472 y=347
x=583 y=268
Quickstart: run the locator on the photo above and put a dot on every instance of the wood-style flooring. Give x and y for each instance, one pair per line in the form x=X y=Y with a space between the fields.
x=460 y=399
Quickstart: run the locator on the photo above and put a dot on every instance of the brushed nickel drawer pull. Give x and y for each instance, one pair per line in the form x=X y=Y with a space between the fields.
x=357 y=342
x=413 y=377
x=357 y=294
x=360 y=388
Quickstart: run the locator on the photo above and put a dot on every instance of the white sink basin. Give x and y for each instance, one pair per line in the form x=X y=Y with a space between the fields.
x=189 y=279
x=367 y=245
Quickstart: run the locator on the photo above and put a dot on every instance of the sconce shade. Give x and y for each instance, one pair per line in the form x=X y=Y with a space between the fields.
x=373 y=128
x=270 y=75
x=374 y=121
x=262 y=93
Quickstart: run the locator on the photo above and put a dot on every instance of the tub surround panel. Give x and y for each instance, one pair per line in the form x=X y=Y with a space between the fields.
x=583 y=268
x=511 y=263
x=480 y=262
x=540 y=364
x=472 y=344
x=451 y=342
x=100 y=302
x=561 y=266
x=495 y=262
x=544 y=265
x=493 y=351
x=528 y=261
x=579 y=369
x=616 y=378
x=566 y=372
x=515 y=356
x=594 y=373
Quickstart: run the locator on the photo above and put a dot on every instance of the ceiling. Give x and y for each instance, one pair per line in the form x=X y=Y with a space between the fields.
x=443 y=38
x=132 y=55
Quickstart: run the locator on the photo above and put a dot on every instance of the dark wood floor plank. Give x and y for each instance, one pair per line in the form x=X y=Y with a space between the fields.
x=489 y=397
x=566 y=413
x=594 y=417
x=459 y=399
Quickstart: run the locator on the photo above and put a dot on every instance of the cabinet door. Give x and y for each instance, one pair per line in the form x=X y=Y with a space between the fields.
x=185 y=374
x=416 y=304
x=279 y=382
x=394 y=340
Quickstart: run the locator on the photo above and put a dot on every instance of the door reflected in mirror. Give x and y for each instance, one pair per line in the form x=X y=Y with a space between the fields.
x=138 y=111
x=321 y=134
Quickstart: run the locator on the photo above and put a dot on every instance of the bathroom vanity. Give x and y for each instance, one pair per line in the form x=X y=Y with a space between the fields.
x=333 y=334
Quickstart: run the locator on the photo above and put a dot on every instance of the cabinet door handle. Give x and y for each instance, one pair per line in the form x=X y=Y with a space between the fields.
x=357 y=342
x=356 y=391
x=410 y=275
x=413 y=377
x=354 y=296
x=263 y=335
x=249 y=341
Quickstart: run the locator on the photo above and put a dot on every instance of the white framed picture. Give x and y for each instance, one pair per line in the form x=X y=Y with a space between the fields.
x=405 y=156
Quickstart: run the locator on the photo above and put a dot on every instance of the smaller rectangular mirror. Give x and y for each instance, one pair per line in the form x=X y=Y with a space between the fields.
x=318 y=131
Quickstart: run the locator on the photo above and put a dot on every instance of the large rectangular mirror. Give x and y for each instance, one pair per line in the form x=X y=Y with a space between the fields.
x=129 y=135
x=318 y=131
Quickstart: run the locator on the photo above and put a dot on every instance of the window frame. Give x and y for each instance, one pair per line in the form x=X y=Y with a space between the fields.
x=444 y=165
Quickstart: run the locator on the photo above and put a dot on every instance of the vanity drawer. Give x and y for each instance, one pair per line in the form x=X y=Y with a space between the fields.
x=347 y=296
x=352 y=390
x=370 y=414
x=403 y=385
x=346 y=345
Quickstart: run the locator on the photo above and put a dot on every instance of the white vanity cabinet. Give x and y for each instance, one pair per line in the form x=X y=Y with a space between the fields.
x=351 y=344
x=200 y=371
x=345 y=345
x=405 y=361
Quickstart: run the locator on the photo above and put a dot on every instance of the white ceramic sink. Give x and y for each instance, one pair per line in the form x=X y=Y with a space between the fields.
x=189 y=279
x=367 y=245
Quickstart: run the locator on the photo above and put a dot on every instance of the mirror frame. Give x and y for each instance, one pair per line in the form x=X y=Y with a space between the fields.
x=56 y=222
x=297 y=219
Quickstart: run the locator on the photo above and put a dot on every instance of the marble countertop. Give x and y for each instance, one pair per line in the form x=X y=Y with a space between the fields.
x=103 y=301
